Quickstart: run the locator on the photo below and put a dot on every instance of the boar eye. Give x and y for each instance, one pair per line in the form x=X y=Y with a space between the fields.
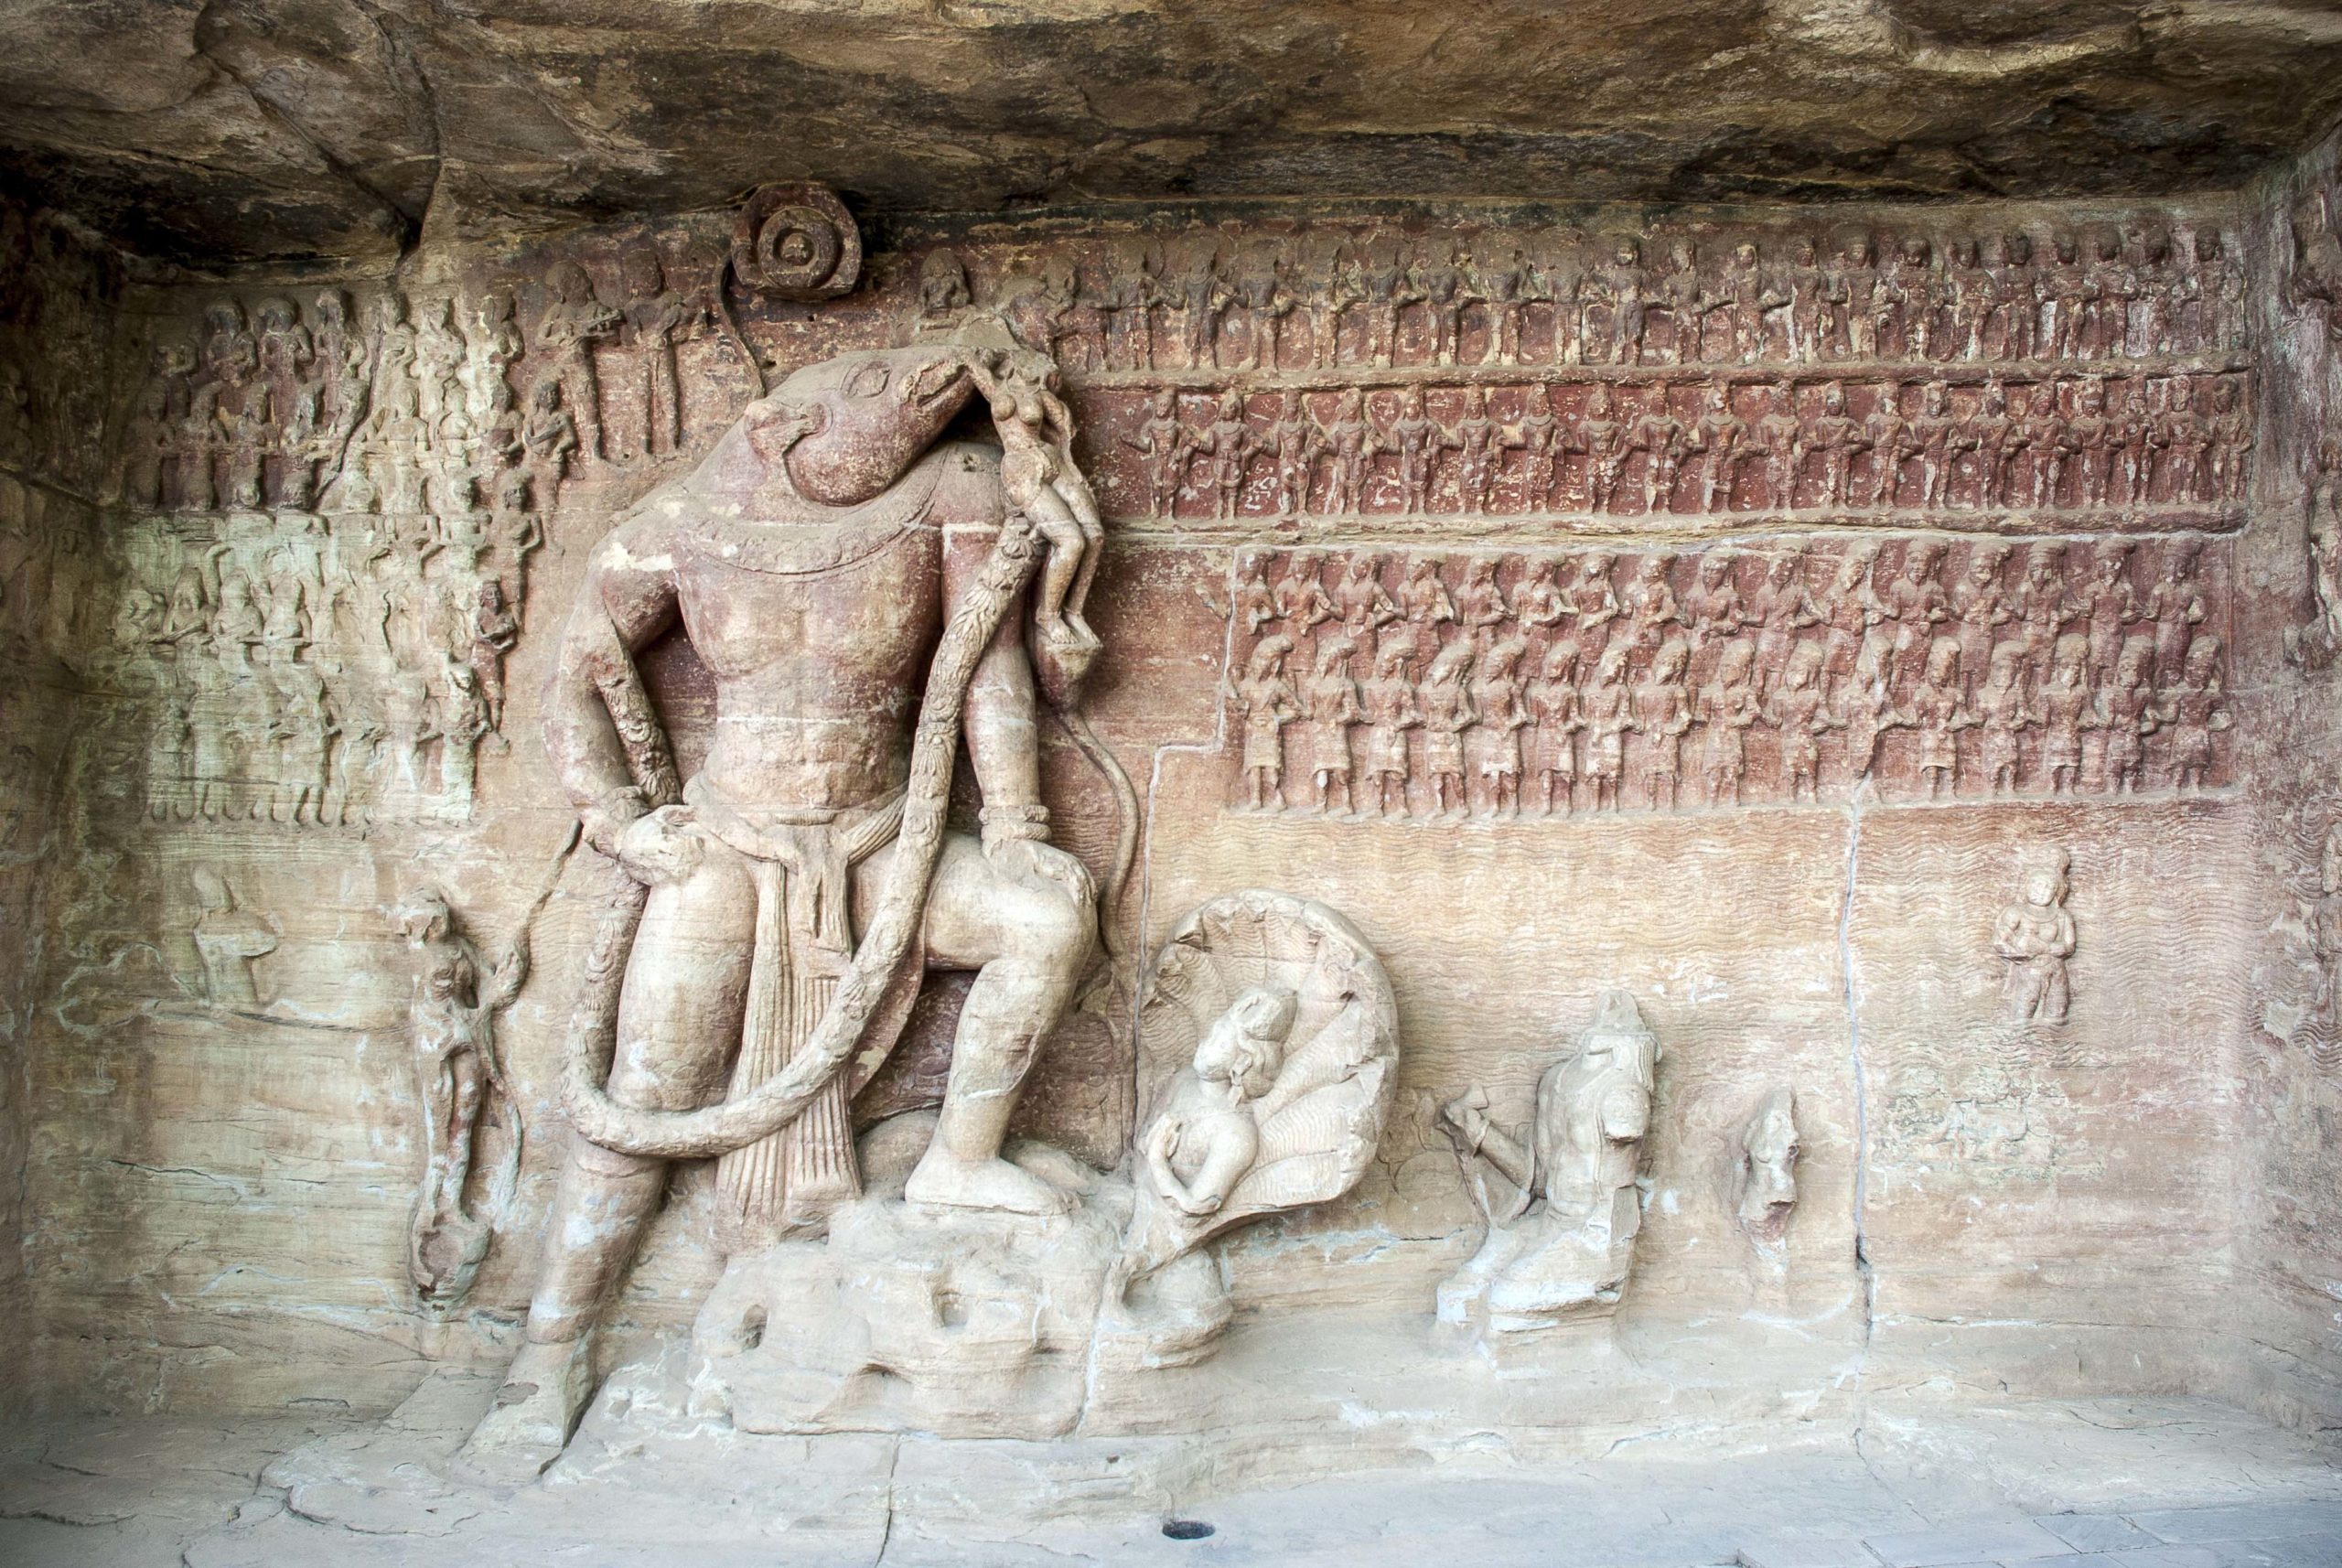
x=867 y=380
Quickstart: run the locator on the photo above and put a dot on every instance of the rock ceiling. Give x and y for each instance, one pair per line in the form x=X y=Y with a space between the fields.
x=285 y=129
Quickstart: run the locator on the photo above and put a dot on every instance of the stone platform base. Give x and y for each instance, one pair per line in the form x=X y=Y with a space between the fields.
x=643 y=1486
x=964 y=1324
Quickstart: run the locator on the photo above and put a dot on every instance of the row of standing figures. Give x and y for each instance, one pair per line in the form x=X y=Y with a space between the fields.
x=1488 y=730
x=1862 y=653
x=275 y=408
x=1566 y=298
x=2176 y=440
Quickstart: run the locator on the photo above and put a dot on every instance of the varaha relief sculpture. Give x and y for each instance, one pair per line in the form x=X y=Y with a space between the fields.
x=830 y=558
x=2035 y=935
x=1285 y=1029
x=1561 y=1197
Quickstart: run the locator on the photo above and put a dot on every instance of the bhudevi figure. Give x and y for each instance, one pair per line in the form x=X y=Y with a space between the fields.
x=828 y=559
x=1559 y=1195
x=2034 y=933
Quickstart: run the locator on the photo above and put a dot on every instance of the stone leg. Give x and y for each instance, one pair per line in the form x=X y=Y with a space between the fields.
x=1028 y=942
x=679 y=1027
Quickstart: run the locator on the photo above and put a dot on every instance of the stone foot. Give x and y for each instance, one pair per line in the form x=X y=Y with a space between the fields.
x=535 y=1411
x=950 y=1183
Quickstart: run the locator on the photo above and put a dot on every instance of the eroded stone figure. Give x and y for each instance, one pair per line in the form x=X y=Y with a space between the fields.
x=228 y=939
x=1765 y=1172
x=2034 y=934
x=1560 y=1196
x=795 y=886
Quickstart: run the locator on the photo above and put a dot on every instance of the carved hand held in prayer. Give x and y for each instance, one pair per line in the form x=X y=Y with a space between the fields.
x=661 y=847
x=1467 y=1118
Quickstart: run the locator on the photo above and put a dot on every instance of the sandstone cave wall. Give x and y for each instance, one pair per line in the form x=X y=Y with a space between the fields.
x=223 y=1132
x=56 y=296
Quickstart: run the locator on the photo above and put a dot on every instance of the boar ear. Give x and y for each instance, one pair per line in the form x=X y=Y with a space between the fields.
x=932 y=381
x=775 y=426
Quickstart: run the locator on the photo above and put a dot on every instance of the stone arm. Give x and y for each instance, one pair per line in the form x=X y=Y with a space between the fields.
x=603 y=737
x=1483 y=1137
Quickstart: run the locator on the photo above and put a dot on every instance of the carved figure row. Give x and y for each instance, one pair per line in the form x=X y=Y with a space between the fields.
x=1718 y=446
x=1557 y=295
x=1773 y=676
x=317 y=674
x=408 y=409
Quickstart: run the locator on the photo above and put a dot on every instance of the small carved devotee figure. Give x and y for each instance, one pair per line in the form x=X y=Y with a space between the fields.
x=1662 y=712
x=1351 y=443
x=1869 y=711
x=1886 y=436
x=1479 y=602
x=496 y=631
x=2194 y=711
x=1553 y=702
x=2128 y=713
x=1301 y=600
x=2108 y=606
x=1255 y=604
x=1603 y=440
x=1418 y=439
x=1476 y=440
x=1765 y=1174
x=1330 y=699
x=1360 y=599
x=2186 y=440
x=2231 y=441
x=1980 y=603
x=1651 y=605
x=2041 y=603
x=1665 y=441
x=1293 y=442
x=1167 y=444
x=1930 y=437
x=1537 y=602
x=1728 y=706
x=1915 y=601
x=2175 y=603
x=1209 y=1134
x=1938 y=712
x=1392 y=710
x=1781 y=440
x=2016 y=293
x=304 y=736
x=1779 y=609
x=1424 y=600
x=1448 y=713
x=549 y=437
x=1536 y=434
x=1560 y=1196
x=2003 y=712
x=1716 y=437
x=1264 y=701
x=2068 y=708
x=1797 y=710
x=2034 y=933
x=1229 y=441
x=1040 y=478
x=1501 y=712
x=227 y=939
x=451 y=1020
x=1712 y=608
x=656 y=317
x=1607 y=709
x=576 y=321
x=2014 y=441
x=1593 y=600
x=1838 y=436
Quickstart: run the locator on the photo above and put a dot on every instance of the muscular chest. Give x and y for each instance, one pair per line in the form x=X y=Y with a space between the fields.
x=761 y=600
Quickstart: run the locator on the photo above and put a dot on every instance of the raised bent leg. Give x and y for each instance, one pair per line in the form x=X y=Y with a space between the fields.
x=1028 y=941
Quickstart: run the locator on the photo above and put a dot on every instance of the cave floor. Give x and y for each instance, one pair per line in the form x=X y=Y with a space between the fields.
x=2110 y=1483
